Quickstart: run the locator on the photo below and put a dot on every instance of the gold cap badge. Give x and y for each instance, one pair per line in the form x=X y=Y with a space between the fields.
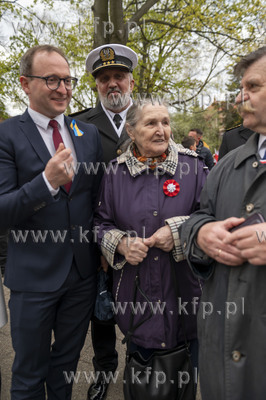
x=107 y=54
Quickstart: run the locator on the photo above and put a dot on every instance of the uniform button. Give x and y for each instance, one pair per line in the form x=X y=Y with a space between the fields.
x=119 y=152
x=185 y=245
x=156 y=258
x=73 y=227
x=236 y=356
x=255 y=164
x=159 y=301
x=163 y=344
x=99 y=203
x=155 y=213
x=249 y=207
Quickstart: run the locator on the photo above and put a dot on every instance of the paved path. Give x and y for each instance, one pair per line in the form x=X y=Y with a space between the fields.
x=115 y=391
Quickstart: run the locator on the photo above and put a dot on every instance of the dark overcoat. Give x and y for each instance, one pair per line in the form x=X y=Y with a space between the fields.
x=111 y=142
x=137 y=205
x=234 y=138
x=232 y=314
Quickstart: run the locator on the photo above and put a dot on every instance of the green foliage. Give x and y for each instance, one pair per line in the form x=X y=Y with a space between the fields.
x=73 y=33
x=182 y=46
x=209 y=121
x=181 y=43
x=231 y=116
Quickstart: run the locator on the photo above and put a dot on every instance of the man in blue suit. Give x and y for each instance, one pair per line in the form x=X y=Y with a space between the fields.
x=48 y=187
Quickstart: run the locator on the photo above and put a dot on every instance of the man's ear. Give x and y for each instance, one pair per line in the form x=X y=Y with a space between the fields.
x=24 y=81
x=132 y=85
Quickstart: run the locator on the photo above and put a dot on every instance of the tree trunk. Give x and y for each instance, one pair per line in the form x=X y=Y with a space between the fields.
x=120 y=33
x=109 y=24
x=102 y=25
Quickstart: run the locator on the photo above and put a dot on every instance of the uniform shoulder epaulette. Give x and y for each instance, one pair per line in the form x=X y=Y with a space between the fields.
x=79 y=112
x=233 y=127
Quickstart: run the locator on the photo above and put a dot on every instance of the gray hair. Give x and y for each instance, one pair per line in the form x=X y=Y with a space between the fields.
x=137 y=107
x=26 y=61
x=248 y=60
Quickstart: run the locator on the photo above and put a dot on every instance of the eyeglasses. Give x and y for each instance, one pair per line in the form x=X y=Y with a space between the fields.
x=53 y=82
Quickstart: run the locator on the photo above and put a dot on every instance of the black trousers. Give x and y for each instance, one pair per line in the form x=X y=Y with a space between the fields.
x=34 y=316
x=103 y=340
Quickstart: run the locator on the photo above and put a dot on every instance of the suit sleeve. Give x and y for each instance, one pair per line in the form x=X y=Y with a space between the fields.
x=17 y=203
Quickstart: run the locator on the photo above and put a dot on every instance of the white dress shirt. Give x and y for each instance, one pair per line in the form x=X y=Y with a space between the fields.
x=46 y=132
x=110 y=114
x=262 y=145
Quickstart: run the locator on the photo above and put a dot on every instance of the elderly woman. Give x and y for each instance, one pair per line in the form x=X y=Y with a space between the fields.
x=146 y=194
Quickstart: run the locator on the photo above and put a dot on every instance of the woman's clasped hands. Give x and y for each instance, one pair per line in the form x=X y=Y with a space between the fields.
x=135 y=249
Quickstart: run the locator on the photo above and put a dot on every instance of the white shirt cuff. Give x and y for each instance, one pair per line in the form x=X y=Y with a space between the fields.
x=50 y=188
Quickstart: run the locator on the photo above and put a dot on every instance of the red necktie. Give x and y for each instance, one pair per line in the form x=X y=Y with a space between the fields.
x=57 y=138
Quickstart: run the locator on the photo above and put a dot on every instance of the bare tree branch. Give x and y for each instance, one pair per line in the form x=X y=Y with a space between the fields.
x=179 y=27
x=143 y=10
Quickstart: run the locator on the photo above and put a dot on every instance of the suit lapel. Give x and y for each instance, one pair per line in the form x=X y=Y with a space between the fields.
x=123 y=137
x=79 y=149
x=100 y=119
x=31 y=132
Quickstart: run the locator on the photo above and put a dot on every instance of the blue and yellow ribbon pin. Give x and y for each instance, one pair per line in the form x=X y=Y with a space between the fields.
x=75 y=128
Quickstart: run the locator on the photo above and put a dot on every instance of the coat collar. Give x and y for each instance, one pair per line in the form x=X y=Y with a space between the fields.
x=169 y=166
x=250 y=148
x=100 y=119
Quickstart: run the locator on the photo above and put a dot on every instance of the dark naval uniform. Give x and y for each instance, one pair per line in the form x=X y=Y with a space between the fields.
x=234 y=138
x=111 y=142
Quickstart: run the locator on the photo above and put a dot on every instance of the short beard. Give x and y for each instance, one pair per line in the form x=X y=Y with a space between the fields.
x=245 y=107
x=115 y=103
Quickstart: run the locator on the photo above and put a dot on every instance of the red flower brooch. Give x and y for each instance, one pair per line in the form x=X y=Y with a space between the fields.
x=171 y=188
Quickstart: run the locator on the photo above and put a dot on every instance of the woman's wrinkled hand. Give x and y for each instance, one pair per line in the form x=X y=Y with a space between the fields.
x=162 y=238
x=133 y=249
